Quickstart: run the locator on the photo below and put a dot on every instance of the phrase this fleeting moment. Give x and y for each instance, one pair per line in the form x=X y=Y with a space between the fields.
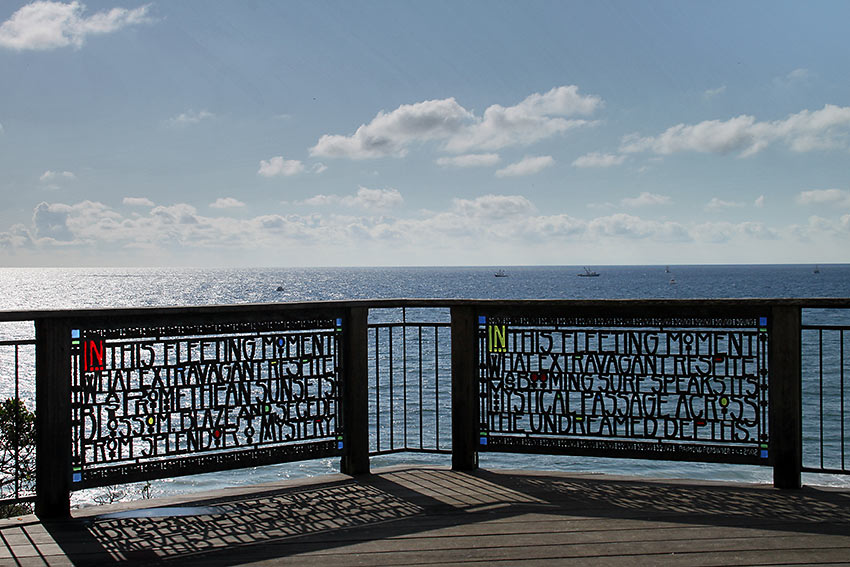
x=143 y=395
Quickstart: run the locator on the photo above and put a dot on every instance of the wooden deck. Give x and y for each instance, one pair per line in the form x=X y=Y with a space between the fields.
x=434 y=516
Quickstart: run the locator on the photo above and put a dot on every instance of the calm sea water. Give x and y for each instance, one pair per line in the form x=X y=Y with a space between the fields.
x=49 y=288
x=46 y=288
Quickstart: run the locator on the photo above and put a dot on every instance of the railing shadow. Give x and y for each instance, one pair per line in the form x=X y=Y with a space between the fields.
x=403 y=503
x=275 y=523
x=814 y=510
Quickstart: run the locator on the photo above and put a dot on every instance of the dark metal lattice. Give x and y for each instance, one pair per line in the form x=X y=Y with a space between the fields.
x=681 y=388
x=149 y=401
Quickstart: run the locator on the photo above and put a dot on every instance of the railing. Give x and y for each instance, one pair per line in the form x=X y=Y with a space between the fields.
x=825 y=392
x=409 y=371
x=134 y=394
x=17 y=384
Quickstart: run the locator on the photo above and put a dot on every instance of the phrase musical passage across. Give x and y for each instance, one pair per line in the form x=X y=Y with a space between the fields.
x=666 y=388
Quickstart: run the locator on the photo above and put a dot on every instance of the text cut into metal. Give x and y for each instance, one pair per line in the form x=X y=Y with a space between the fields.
x=660 y=388
x=188 y=399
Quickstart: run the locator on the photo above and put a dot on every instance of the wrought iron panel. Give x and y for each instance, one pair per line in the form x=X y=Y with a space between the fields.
x=168 y=400
x=677 y=388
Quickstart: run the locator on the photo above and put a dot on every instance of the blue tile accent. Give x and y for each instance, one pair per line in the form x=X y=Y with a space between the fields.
x=483 y=441
x=339 y=445
x=764 y=453
x=78 y=477
x=75 y=333
x=482 y=320
x=762 y=321
x=339 y=322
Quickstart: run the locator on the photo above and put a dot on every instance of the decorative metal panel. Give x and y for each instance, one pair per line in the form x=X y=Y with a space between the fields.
x=170 y=400
x=680 y=388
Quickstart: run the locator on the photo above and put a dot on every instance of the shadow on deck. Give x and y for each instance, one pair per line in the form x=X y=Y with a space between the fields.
x=410 y=516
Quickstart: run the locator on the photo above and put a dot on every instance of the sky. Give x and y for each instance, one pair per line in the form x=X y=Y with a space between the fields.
x=370 y=133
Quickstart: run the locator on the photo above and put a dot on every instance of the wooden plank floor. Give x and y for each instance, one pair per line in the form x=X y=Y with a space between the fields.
x=434 y=516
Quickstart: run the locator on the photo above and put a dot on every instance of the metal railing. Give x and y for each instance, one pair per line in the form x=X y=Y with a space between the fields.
x=409 y=384
x=825 y=398
x=393 y=382
x=17 y=449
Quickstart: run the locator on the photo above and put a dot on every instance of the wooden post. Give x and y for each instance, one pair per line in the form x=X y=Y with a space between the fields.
x=784 y=367
x=464 y=389
x=355 y=397
x=53 y=419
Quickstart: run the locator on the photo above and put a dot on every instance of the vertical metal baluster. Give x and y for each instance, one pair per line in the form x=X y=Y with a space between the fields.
x=404 y=368
x=377 y=392
x=437 y=384
x=421 y=408
x=17 y=468
x=841 y=367
x=392 y=396
x=820 y=374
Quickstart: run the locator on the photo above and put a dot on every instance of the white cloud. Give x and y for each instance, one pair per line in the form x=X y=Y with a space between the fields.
x=470 y=160
x=798 y=76
x=711 y=93
x=389 y=133
x=802 y=132
x=190 y=117
x=50 y=178
x=526 y=166
x=138 y=202
x=493 y=206
x=226 y=203
x=319 y=167
x=722 y=232
x=622 y=225
x=47 y=25
x=505 y=224
x=709 y=136
x=537 y=117
x=180 y=213
x=51 y=221
x=646 y=199
x=365 y=198
x=54 y=175
x=277 y=166
x=759 y=202
x=61 y=224
x=837 y=197
x=719 y=205
x=596 y=159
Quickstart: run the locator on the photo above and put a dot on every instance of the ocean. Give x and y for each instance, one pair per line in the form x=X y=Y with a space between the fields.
x=53 y=288
x=60 y=288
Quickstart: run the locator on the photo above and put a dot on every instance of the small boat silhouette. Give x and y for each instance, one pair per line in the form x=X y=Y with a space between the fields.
x=588 y=273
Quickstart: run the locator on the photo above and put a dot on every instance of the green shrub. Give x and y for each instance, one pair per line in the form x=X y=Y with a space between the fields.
x=17 y=452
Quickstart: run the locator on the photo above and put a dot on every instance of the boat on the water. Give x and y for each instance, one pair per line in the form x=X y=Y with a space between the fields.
x=500 y=274
x=588 y=273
